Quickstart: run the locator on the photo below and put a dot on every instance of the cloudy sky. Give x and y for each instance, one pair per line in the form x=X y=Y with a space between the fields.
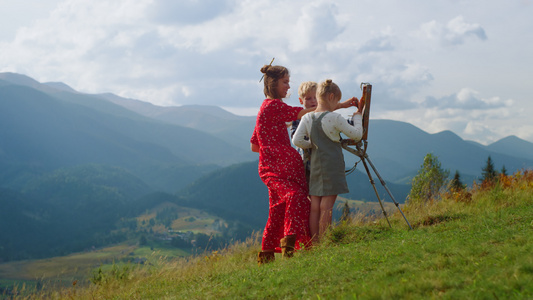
x=464 y=66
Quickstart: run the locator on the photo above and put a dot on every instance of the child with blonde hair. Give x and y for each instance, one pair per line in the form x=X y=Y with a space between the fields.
x=320 y=131
x=307 y=97
x=307 y=94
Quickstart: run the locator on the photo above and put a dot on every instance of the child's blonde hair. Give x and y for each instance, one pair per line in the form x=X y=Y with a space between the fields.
x=328 y=87
x=306 y=87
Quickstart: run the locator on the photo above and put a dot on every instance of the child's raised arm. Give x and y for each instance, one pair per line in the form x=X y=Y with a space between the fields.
x=348 y=103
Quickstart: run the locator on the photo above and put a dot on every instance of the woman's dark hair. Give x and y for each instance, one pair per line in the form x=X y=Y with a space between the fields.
x=272 y=74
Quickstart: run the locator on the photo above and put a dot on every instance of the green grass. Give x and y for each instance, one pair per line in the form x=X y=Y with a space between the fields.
x=461 y=247
x=65 y=266
x=80 y=266
x=160 y=250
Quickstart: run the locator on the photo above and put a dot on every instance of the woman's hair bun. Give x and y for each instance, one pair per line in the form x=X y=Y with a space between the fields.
x=265 y=68
x=328 y=82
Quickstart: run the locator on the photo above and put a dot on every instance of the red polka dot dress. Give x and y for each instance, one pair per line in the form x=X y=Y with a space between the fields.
x=281 y=169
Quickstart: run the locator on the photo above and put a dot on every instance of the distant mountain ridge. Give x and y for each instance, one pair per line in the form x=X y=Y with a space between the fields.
x=397 y=148
x=398 y=145
x=62 y=149
x=394 y=141
x=514 y=146
x=211 y=119
x=74 y=128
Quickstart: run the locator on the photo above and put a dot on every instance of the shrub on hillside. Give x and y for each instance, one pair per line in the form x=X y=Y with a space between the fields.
x=428 y=182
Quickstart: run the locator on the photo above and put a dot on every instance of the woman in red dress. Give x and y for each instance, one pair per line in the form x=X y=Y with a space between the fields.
x=280 y=168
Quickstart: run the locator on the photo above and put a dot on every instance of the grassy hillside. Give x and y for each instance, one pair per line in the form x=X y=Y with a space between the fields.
x=475 y=244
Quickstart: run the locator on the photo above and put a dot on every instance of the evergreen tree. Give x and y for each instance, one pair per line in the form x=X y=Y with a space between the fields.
x=345 y=212
x=489 y=173
x=504 y=171
x=428 y=182
x=456 y=183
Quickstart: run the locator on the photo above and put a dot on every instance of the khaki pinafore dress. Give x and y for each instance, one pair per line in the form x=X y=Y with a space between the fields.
x=327 y=163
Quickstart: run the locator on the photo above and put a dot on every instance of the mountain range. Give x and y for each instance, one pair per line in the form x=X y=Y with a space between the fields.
x=82 y=162
x=396 y=148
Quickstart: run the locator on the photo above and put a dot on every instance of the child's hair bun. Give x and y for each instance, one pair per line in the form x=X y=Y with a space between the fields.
x=327 y=87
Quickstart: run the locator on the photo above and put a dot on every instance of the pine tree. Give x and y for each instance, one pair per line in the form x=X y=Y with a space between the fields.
x=504 y=171
x=456 y=184
x=345 y=212
x=489 y=173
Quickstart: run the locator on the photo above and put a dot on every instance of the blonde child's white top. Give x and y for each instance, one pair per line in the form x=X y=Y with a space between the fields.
x=332 y=124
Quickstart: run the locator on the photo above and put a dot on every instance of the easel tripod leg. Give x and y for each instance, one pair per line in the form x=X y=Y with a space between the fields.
x=375 y=190
x=384 y=185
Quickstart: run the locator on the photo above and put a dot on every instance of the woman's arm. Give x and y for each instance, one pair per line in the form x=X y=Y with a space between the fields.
x=304 y=111
x=254 y=147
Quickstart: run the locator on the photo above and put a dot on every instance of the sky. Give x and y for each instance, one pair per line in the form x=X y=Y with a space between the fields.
x=464 y=66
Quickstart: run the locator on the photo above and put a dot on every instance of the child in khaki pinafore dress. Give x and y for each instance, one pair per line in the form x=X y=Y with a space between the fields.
x=327 y=178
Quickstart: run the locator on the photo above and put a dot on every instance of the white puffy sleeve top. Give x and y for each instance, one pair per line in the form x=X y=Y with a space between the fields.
x=332 y=124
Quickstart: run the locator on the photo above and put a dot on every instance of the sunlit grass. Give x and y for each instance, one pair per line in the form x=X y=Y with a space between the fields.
x=188 y=219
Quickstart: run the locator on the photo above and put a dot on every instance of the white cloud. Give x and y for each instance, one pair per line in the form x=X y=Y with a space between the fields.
x=316 y=26
x=210 y=52
x=377 y=44
x=474 y=129
x=467 y=99
x=455 y=32
x=187 y=11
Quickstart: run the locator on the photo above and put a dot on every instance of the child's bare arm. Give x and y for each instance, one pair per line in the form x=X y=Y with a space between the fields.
x=348 y=103
x=304 y=111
